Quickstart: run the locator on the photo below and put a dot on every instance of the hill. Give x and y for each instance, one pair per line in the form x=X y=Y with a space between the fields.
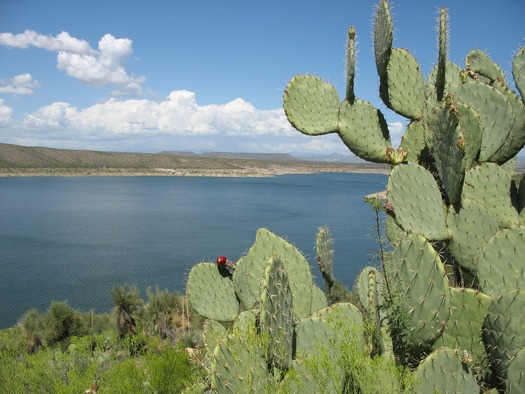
x=24 y=160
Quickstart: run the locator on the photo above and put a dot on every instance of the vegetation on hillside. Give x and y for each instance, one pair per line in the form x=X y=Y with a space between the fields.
x=142 y=346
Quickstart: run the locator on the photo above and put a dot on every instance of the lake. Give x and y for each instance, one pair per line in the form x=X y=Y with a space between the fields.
x=74 y=238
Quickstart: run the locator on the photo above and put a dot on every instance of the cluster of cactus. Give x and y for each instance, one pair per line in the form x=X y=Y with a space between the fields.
x=265 y=316
x=456 y=213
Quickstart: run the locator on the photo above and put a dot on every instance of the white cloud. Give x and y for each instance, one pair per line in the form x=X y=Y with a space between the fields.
x=61 y=42
x=396 y=132
x=176 y=122
x=101 y=67
x=177 y=114
x=5 y=113
x=22 y=84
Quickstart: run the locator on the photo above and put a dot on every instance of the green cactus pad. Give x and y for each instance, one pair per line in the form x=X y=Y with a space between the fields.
x=299 y=379
x=404 y=91
x=246 y=320
x=350 y=65
x=364 y=130
x=468 y=309
x=344 y=312
x=479 y=62
x=238 y=367
x=489 y=185
x=515 y=381
x=310 y=334
x=311 y=105
x=518 y=71
x=212 y=334
x=448 y=150
x=319 y=299
x=470 y=229
x=276 y=315
x=443 y=372
x=516 y=139
x=382 y=37
x=441 y=66
x=416 y=198
x=495 y=114
x=369 y=289
x=211 y=293
x=504 y=334
x=248 y=275
x=420 y=280
x=324 y=254
x=415 y=140
x=501 y=263
x=470 y=129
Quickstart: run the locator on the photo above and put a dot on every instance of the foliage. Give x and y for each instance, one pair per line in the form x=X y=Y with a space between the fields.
x=105 y=360
x=127 y=303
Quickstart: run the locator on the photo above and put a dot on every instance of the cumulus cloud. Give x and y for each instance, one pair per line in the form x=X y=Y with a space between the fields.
x=22 y=84
x=176 y=122
x=178 y=114
x=61 y=42
x=97 y=67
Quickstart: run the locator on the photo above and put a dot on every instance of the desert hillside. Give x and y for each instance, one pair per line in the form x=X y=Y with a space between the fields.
x=23 y=160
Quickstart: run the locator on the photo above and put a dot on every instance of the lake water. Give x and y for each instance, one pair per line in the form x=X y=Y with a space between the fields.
x=74 y=238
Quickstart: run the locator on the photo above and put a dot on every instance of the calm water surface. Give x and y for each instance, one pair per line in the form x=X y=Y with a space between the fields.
x=74 y=238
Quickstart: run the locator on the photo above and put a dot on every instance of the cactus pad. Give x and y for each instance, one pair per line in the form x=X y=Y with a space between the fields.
x=404 y=91
x=276 y=315
x=504 y=333
x=515 y=381
x=211 y=293
x=501 y=263
x=495 y=113
x=518 y=71
x=324 y=254
x=248 y=275
x=311 y=333
x=417 y=202
x=443 y=372
x=311 y=105
x=470 y=229
x=468 y=309
x=364 y=130
x=448 y=151
x=423 y=290
x=489 y=185
x=479 y=62
x=382 y=37
x=238 y=367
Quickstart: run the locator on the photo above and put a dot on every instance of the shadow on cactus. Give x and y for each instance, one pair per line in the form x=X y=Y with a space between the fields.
x=456 y=211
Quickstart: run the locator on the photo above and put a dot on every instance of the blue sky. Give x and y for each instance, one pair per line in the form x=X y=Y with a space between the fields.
x=206 y=74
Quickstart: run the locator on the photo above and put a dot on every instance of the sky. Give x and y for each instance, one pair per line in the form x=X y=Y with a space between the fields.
x=209 y=75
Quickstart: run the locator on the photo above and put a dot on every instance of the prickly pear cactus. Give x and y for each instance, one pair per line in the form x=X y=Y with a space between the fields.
x=456 y=211
x=281 y=314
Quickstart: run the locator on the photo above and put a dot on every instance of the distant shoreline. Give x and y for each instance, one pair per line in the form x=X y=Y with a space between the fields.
x=217 y=173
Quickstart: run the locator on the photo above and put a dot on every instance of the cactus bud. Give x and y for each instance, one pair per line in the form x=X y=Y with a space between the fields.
x=396 y=156
x=351 y=33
